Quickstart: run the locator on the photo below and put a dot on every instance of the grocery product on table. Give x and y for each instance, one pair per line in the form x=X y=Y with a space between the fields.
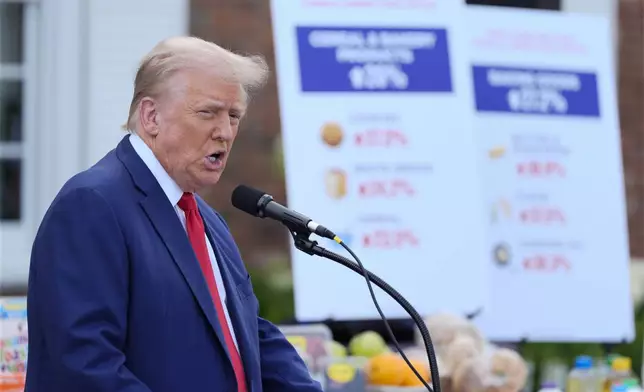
x=582 y=377
x=336 y=349
x=13 y=344
x=549 y=386
x=445 y=327
x=462 y=348
x=386 y=369
x=311 y=341
x=498 y=370
x=344 y=375
x=410 y=379
x=554 y=370
x=466 y=361
x=632 y=385
x=367 y=344
x=602 y=370
x=618 y=387
x=620 y=371
x=510 y=367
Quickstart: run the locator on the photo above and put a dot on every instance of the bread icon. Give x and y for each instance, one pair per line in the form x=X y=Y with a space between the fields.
x=332 y=134
x=335 y=183
x=496 y=152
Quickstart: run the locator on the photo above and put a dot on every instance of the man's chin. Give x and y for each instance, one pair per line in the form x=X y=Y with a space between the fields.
x=211 y=178
x=206 y=178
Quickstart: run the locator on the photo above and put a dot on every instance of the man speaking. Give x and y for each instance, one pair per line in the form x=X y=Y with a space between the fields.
x=136 y=284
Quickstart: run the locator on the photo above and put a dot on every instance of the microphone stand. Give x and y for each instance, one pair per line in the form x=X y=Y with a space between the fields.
x=306 y=245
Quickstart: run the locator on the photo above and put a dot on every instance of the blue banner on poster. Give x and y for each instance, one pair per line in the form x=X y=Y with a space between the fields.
x=362 y=59
x=535 y=91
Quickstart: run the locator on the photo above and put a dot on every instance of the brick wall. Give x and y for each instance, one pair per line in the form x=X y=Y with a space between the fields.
x=631 y=107
x=245 y=25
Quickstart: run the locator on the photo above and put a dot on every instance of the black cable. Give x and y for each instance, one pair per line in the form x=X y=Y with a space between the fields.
x=303 y=243
x=365 y=273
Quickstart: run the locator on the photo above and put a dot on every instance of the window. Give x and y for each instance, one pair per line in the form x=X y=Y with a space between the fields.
x=535 y=4
x=11 y=104
x=19 y=32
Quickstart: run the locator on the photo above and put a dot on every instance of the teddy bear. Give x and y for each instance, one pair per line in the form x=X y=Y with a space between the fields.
x=495 y=370
x=444 y=328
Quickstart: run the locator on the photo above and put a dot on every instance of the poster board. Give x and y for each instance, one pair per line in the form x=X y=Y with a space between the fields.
x=469 y=155
x=547 y=124
x=371 y=110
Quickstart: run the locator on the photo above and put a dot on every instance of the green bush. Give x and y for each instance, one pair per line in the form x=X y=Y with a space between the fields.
x=273 y=286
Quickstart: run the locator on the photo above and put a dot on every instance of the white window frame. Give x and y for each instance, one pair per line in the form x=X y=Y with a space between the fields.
x=70 y=76
x=16 y=236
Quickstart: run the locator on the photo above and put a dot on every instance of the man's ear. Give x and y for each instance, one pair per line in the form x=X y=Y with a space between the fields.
x=149 y=116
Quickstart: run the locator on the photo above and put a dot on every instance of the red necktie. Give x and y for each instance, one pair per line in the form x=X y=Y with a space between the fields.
x=197 y=236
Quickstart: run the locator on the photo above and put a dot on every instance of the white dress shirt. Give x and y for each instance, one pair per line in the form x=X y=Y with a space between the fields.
x=174 y=193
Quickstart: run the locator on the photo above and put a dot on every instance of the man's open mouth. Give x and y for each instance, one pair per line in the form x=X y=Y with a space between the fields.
x=216 y=156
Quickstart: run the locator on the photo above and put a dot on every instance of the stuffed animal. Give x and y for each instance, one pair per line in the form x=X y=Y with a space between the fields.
x=498 y=370
x=445 y=327
x=462 y=348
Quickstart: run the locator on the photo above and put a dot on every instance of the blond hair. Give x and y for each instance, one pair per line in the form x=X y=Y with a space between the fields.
x=179 y=53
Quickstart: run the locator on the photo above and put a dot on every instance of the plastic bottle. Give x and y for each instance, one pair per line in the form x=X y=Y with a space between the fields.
x=582 y=378
x=632 y=385
x=618 y=387
x=604 y=369
x=610 y=358
x=549 y=386
x=554 y=370
x=620 y=372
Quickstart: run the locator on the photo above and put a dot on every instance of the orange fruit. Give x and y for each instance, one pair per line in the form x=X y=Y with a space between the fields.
x=385 y=369
x=410 y=379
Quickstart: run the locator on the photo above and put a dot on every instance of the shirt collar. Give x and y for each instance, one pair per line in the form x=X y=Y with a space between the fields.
x=169 y=186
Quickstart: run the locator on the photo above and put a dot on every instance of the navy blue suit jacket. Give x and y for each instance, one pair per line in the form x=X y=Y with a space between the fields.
x=117 y=301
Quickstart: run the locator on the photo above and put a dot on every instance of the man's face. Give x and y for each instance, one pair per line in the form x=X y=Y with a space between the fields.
x=197 y=122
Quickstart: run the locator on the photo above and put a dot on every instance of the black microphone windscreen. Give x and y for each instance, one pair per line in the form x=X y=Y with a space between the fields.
x=246 y=198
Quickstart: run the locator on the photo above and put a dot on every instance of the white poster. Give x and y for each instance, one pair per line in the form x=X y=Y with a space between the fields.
x=469 y=155
x=378 y=148
x=547 y=126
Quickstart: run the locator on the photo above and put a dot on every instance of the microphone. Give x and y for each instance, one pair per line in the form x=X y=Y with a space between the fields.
x=260 y=204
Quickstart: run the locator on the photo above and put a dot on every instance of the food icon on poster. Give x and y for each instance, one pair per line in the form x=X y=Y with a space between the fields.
x=501 y=255
x=332 y=134
x=335 y=182
x=496 y=152
x=501 y=209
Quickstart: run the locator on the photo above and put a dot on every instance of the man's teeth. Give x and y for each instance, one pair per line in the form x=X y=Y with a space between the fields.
x=213 y=158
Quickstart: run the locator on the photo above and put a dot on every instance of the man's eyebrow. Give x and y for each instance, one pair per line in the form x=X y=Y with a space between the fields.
x=238 y=108
x=215 y=104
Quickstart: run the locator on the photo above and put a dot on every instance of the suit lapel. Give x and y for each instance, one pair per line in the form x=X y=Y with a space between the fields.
x=165 y=221
x=234 y=308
